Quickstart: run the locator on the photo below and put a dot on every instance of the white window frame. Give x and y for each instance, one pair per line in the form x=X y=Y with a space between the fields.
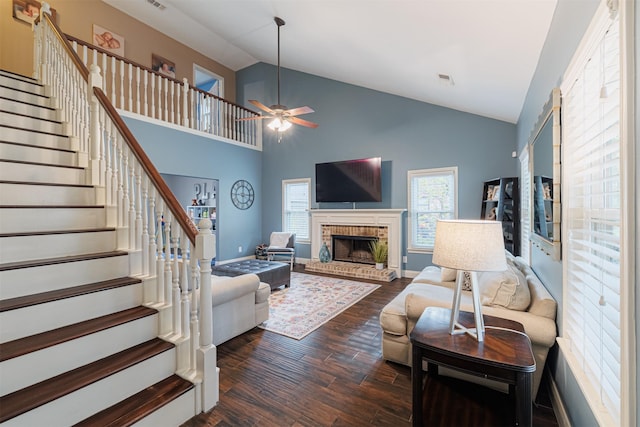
x=525 y=202
x=627 y=357
x=412 y=226
x=285 y=185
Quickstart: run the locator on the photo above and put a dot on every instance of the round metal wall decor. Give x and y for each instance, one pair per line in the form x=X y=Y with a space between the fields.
x=242 y=194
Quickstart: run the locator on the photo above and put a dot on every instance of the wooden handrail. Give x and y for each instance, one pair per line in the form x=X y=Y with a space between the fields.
x=143 y=67
x=172 y=203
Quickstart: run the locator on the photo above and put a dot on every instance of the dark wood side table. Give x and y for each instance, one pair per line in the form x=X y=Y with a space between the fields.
x=505 y=355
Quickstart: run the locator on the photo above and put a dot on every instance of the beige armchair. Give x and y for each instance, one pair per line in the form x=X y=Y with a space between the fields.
x=282 y=247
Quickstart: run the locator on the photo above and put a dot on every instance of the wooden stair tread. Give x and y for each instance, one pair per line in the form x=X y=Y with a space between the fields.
x=41 y=147
x=37 y=342
x=59 y=260
x=139 y=405
x=52 y=206
x=28 y=398
x=50 y=232
x=53 y=165
x=17 y=76
x=53 y=184
x=39 y=95
x=45 y=297
x=58 y=122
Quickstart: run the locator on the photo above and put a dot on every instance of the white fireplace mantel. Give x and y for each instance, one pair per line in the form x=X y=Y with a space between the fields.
x=391 y=218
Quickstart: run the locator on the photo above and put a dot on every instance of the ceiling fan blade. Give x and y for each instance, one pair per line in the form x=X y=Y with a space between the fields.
x=261 y=106
x=253 y=118
x=298 y=111
x=302 y=122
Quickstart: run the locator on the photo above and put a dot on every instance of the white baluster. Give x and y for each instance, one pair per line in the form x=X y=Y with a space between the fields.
x=108 y=157
x=194 y=328
x=184 y=285
x=175 y=281
x=121 y=104
x=95 y=80
x=185 y=102
x=115 y=159
x=130 y=92
x=168 y=277
x=161 y=243
x=145 y=93
x=172 y=104
x=144 y=240
x=153 y=232
x=113 y=80
x=153 y=96
x=138 y=90
x=105 y=71
x=165 y=90
x=121 y=183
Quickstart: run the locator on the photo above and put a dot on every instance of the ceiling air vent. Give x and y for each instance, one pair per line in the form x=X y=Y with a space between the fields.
x=445 y=79
x=159 y=5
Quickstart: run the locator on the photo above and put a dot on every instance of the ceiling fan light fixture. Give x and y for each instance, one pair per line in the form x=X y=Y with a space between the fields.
x=279 y=125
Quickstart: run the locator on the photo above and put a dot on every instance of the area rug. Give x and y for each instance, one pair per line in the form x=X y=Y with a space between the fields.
x=310 y=302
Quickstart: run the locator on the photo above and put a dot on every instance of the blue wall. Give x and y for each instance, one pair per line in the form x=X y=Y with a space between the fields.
x=355 y=123
x=570 y=22
x=182 y=153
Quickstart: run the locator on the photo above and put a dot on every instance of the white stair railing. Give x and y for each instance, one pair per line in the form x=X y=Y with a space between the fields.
x=137 y=89
x=166 y=249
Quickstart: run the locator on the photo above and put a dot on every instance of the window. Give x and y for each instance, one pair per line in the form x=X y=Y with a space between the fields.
x=433 y=195
x=296 y=200
x=525 y=203
x=595 y=337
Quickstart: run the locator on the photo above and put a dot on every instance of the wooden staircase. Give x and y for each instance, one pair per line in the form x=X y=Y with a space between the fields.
x=77 y=344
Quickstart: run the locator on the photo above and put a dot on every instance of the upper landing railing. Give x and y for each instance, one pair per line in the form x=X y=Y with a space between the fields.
x=138 y=89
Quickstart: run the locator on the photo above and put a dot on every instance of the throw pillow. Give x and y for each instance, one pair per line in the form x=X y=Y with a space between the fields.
x=448 y=274
x=508 y=289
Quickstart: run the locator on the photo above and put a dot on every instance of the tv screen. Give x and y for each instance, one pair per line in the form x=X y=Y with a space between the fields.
x=349 y=181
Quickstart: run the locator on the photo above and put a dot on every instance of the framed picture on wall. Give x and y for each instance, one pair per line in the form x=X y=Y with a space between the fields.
x=108 y=40
x=28 y=10
x=163 y=66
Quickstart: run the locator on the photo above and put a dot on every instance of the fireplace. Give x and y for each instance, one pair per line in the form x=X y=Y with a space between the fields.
x=352 y=248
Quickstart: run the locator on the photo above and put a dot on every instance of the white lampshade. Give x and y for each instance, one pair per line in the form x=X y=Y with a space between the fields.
x=469 y=245
x=279 y=125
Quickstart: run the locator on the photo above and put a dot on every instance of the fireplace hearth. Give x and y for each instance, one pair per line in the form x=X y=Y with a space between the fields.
x=352 y=248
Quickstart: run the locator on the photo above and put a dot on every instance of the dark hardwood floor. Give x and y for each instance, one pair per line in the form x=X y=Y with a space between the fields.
x=335 y=376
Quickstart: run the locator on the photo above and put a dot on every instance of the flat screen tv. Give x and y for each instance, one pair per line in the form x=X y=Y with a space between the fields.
x=349 y=181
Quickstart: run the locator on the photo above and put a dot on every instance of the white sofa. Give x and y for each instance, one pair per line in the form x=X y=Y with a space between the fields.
x=398 y=318
x=239 y=303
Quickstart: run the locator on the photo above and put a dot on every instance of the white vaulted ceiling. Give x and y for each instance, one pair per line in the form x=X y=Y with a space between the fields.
x=489 y=48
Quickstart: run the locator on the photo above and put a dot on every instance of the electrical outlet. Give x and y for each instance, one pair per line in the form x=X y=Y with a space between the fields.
x=239 y=249
x=404 y=259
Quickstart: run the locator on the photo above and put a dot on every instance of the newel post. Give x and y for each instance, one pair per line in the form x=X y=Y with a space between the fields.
x=205 y=250
x=95 y=174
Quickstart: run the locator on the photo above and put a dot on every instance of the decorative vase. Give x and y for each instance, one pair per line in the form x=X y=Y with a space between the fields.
x=324 y=254
x=379 y=265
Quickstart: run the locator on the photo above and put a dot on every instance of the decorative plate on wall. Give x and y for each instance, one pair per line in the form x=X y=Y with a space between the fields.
x=242 y=194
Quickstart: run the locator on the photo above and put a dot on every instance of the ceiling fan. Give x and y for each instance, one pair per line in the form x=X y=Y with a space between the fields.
x=282 y=117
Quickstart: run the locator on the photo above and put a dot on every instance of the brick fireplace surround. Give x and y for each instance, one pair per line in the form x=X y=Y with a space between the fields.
x=383 y=224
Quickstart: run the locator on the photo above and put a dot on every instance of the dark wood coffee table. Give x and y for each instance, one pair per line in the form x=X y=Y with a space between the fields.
x=505 y=355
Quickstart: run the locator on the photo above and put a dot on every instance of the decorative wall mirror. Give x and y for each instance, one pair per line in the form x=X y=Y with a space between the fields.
x=545 y=178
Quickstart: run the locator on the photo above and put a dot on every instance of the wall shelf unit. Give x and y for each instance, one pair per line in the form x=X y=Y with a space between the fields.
x=501 y=202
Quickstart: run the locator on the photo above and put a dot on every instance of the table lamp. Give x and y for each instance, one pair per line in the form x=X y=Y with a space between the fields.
x=471 y=246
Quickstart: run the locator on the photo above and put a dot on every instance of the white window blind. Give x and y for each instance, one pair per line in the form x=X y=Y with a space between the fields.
x=592 y=223
x=432 y=196
x=295 y=207
x=525 y=203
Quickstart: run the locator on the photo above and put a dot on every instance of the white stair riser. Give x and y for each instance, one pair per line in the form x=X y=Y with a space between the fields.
x=23 y=136
x=24 y=194
x=35 y=280
x=34 y=367
x=29 y=153
x=31 y=123
x=21 y=84
x=39 y=318
x=10 y=171
x=26 y=248
x=175 y=413
x=17 y=220
x=95 y=397
x=29 y=110
x=24 y=97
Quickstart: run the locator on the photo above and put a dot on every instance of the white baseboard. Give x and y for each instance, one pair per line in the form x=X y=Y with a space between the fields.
x=558 y=406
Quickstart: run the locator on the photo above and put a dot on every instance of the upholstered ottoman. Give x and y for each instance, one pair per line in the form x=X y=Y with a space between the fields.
x=276 y=274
